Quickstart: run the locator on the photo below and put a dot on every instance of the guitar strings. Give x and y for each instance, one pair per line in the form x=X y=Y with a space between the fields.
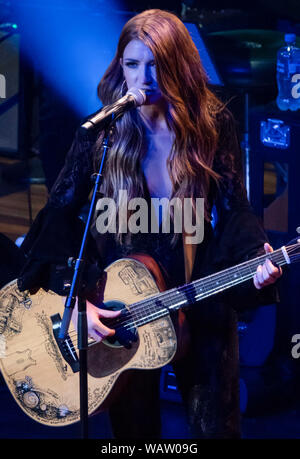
x=164 y=295
x=142 y=305
x=129 y=324
x=165 y=311
x=142 y=321
x=167 y=296
x=277 y=257
x=186 y=289
x=279 y=260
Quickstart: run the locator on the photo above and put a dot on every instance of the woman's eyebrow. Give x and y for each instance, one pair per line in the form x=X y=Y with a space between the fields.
x=131 y=59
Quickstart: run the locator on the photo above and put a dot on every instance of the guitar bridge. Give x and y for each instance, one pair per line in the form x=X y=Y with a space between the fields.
x=65 y=346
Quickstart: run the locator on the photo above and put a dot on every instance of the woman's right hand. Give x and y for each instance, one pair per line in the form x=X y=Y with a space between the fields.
x=96 y=329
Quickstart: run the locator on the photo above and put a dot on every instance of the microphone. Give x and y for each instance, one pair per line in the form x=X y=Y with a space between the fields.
x=132 y=99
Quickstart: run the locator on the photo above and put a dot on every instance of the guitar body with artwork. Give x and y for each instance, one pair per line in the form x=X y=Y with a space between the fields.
x=43 y=374
x=42 y=371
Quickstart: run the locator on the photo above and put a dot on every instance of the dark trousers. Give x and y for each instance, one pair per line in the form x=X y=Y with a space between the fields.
x=136 y=414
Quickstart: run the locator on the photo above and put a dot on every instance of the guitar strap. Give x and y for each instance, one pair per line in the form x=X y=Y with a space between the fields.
x=189 y=251
x=182 y=328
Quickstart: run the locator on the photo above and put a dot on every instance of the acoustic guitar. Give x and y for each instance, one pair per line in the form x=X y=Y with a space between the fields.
x=42 y=371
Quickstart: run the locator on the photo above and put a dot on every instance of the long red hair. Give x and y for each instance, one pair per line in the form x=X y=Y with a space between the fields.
x=192 y=110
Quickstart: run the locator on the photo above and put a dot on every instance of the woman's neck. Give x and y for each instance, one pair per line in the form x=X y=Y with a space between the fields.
x=154 y=118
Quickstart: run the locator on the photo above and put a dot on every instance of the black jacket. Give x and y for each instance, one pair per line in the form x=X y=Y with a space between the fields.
x=211 y=367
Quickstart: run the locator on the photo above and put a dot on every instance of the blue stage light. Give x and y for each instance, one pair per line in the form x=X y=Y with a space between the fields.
x=71 y=46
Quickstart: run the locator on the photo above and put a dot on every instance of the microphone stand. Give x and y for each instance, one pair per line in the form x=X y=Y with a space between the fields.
x=76 y=292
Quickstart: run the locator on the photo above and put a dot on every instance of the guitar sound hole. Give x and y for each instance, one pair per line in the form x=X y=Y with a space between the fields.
x=126 y=332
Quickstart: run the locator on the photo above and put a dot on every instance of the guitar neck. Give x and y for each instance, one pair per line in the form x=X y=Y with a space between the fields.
x=171 y=300
x=235 y=275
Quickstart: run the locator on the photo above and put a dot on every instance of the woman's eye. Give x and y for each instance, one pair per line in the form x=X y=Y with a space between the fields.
x=131 y=65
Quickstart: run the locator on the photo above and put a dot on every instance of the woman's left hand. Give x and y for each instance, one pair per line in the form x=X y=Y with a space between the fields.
x=267 y=273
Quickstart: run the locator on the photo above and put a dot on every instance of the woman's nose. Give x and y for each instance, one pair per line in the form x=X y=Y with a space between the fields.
x=146 y=77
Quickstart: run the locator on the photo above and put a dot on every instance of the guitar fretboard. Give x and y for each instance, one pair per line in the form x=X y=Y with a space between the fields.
x=161 y=304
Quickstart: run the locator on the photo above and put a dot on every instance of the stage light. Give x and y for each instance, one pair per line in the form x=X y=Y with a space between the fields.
x=71 y=45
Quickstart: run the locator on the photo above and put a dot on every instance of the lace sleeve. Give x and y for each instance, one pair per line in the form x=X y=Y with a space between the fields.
x=71 y=189
x=56 y=233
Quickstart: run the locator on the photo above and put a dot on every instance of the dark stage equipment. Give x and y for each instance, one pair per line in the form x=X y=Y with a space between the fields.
x=10 y=109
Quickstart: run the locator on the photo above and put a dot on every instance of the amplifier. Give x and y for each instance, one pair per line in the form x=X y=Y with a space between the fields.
x=9 y=93
x=274 y=139
x=18 y=127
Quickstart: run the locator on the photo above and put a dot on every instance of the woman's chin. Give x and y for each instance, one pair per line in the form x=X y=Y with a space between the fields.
x=153 y=98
